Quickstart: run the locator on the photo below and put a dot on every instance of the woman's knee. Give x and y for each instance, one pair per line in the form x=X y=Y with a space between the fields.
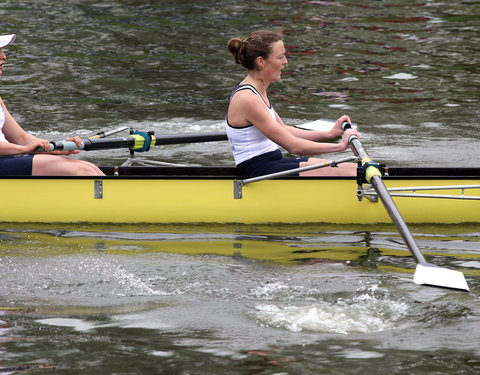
x=85 y=169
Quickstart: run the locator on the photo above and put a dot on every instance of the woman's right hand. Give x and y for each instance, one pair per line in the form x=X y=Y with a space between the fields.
x=31 y=148
x=346 y=136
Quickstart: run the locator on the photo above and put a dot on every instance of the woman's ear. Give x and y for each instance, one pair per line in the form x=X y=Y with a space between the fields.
x=259 y=62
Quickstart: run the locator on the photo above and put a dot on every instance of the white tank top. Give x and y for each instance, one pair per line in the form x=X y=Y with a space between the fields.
x=248 y=142
x=2 y=122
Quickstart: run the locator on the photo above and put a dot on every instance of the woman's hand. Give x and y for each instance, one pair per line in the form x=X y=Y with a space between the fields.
x=337 y=130
x=78 y=141
x=32 y=146
x=346 y=136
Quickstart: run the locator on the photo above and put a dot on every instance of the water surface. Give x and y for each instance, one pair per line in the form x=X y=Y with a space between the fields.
x=147 y=299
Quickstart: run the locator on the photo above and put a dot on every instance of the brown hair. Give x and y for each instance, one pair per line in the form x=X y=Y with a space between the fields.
x=258 y=43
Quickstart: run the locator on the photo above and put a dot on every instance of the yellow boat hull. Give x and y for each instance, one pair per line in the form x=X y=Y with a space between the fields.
x=212 y=200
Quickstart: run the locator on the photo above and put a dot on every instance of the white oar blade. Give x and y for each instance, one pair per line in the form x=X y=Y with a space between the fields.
x=438 y=276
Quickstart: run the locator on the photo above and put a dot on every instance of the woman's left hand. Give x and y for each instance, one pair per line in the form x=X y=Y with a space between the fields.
x=337 y=128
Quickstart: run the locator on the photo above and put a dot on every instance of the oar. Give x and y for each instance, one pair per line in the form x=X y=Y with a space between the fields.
x=138 y=141
x=104 y=134
x=425 y=273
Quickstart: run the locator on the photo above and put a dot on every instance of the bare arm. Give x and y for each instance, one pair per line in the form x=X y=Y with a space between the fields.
x=20 y=141
x=297 y=141
x=334 y=132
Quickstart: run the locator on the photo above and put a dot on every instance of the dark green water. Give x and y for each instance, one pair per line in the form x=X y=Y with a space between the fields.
x=160 y=299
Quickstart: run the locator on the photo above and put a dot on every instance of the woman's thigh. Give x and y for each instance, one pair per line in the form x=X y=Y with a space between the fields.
x=344 y=169
x=55 y=165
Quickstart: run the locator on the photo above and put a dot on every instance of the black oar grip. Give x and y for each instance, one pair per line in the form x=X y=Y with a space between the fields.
x=345 y=126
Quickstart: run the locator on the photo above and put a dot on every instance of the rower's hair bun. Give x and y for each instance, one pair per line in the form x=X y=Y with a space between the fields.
x=258 y=43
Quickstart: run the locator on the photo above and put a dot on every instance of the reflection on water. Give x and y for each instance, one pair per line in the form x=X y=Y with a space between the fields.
x=231 y=295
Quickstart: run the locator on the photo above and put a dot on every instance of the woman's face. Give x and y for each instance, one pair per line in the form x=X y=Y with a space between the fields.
x=274 y=64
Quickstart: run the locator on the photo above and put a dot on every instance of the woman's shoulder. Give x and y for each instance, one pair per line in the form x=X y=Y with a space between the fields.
x=245 y=93
x=247 y=101
x=245 y=87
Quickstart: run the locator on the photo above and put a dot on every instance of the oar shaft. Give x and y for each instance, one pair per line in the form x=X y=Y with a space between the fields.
x=397 y=218
x=381 y=189
x=129 y=141
x=104 y=134
x=190 y=138
x=425 y=273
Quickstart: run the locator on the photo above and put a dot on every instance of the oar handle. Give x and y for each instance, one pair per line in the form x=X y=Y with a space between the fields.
x=346 y=125
x=357 y=147
x=62 y=146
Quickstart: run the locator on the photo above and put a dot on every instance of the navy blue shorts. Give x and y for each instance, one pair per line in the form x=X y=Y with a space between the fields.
x=16 y=165
x=270 y=162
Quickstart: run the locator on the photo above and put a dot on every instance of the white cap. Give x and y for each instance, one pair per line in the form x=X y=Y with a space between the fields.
x=5 y=40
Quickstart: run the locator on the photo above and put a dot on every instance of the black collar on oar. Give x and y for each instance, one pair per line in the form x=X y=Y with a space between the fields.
x=138 y=141
x=425 y=273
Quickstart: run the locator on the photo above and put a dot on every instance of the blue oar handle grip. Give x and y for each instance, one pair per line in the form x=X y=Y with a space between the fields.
x=62 y=146
x=41 y=149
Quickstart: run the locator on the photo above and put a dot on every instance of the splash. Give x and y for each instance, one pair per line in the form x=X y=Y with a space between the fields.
x=133 y=283
x=364 y=313
x=128 y=283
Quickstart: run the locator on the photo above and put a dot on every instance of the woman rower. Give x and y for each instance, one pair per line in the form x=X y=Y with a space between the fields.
x=255 y=130
x=17 y=147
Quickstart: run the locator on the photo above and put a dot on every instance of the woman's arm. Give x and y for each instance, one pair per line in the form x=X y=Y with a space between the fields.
x=21 y=142
x=255 y=112
x=334 y=132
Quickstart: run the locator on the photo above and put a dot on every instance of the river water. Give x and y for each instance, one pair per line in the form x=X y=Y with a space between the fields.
x=203 y=299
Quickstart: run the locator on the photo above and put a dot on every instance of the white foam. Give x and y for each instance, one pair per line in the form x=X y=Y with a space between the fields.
x=77 y=324
x=269 y=290
x=363 y=313
x=349 y=79
x=159 y=353
x=402 y=76
x=360 y=354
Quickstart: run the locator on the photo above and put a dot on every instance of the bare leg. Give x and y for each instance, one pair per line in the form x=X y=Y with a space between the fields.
x=344 y=169
x=55 y=165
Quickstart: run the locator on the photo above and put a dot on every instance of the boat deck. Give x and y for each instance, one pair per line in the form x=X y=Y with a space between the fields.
x=232 y=173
